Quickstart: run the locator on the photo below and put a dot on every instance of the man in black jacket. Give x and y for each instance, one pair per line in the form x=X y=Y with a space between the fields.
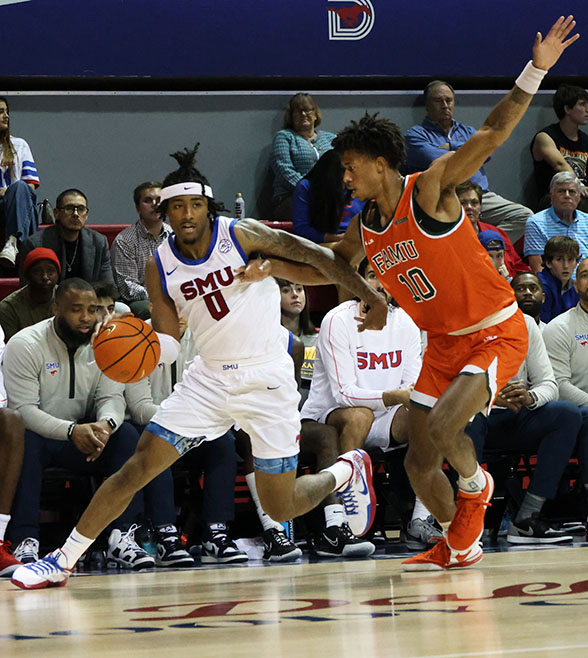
x=82 y=252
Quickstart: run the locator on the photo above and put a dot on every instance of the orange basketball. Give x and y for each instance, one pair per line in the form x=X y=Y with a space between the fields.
x=127 y=349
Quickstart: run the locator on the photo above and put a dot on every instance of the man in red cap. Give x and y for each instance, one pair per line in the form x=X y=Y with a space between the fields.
x=33 y=302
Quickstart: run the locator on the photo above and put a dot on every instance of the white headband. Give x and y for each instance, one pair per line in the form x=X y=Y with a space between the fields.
x=184 y=189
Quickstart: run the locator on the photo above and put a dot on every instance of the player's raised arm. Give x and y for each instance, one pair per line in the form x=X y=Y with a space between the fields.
x=256 y=237
x=504 y=117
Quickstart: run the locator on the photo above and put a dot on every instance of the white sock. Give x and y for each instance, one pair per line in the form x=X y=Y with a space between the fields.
x=419 y=511
x=474 y=484
x=341 y=471
x=267 y=522
x=4 y=519
x=334 y=515
x=74 y=547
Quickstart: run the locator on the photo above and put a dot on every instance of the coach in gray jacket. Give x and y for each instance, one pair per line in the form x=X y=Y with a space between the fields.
x=82 y=252
x=566 y=339
x=73 y=414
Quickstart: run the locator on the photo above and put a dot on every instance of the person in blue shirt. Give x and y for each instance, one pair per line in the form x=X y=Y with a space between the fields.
x=321 y=207
x=560 y=258
x=295 y=150
x=440 y=133
x=561 y=218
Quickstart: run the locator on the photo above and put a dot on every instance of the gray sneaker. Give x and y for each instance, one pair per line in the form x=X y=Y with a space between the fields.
x=421 y=534
x=27 y=551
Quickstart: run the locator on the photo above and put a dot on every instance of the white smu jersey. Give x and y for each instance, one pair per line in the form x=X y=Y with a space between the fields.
x=353 y=369
x=229 y=320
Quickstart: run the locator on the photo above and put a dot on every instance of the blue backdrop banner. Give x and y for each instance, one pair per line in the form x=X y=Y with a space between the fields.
x=306 y=38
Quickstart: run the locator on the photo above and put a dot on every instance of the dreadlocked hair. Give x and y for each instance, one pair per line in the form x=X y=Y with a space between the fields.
x=7 y=154
x=187 y=173
x=373 y=137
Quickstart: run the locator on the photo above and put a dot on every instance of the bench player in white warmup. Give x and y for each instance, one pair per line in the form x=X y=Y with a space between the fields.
x=243 y=374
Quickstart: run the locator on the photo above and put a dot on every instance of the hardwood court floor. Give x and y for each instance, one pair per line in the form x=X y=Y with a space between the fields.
x=517 y=603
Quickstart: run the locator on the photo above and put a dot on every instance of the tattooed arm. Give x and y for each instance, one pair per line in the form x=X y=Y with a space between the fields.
x=436 y=186
x=256 y=237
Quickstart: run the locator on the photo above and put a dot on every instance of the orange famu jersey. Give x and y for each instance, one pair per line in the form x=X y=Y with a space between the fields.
x=444 y=280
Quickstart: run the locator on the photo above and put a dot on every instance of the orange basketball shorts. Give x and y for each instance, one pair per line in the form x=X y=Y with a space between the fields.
x=497 y=351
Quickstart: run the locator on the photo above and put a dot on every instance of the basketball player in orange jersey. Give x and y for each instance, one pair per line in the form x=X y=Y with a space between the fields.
x=426 y=253
x=243 y=373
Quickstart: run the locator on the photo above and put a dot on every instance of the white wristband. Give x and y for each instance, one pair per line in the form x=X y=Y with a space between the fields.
x=170 y=348
x=530 y=78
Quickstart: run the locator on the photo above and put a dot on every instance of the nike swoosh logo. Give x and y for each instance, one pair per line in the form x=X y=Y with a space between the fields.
x=462 y=557
x=333 y=543
x=172 y=271
x=187 y=188
x=272 y=388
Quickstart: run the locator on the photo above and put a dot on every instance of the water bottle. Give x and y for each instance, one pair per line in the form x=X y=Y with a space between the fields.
x=239 y=206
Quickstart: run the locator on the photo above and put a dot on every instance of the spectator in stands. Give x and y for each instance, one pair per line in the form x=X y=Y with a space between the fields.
x=135 y=245
x=322 y=208
x=440 y=133
x=361 y=387
x=158 y=495
x=562 y=146
x=33 y=302
x=11 y=454
x=566 y=339
x=73 y=415
x=470 y=197
x=528 y=417
x=528 y=290
x=18 y=182
x=494 y=244
x=82 y=252
x=561 y=218
x=295 y=150
x=296 y=318
x=560 y=258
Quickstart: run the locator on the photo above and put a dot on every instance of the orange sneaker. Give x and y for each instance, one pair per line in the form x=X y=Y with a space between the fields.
x=8 y=563
x=441 y=557
x=468 y=523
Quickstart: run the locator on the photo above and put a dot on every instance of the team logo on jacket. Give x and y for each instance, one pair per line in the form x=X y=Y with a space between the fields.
x=352 y=21
x=53 y=368
x=225 y=245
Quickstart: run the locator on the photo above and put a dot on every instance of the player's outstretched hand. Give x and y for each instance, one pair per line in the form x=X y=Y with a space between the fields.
x=547 y=51
x=375 y=318
x=255 y=270
x=98 y=326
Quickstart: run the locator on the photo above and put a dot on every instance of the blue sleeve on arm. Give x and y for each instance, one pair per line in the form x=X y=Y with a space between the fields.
x=300 y=213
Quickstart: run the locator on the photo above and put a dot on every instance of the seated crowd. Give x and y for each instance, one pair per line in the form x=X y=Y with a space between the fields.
x=59 y=410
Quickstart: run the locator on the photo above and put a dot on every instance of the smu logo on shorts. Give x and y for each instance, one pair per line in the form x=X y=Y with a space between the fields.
x=391 y=256
x=582 y=339
x=385 y=360
x=52 y=367
x=351 y=22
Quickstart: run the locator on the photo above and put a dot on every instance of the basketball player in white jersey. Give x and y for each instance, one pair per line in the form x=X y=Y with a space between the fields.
x=243 y=376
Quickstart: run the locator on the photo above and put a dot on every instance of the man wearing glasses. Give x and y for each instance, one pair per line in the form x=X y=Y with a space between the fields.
x=82 y=252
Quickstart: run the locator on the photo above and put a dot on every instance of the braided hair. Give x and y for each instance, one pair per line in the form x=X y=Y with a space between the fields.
x=188 y=173
x=373 y=137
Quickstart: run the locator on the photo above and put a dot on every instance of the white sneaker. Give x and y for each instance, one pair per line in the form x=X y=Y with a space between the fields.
x=123 y=551
x=48 y=572
x=27 y=551
x=9 y=252
x=358 y=497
